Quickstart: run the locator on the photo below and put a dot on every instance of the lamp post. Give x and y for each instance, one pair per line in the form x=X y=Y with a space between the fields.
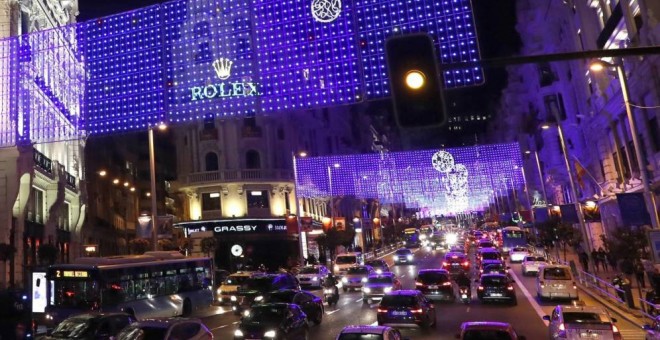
x=152 y=173
x=529 y=201
x=299 y=211
x=576 y=202
x=332 y=203
x=600 y=65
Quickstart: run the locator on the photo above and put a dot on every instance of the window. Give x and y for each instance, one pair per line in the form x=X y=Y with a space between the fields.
x=37 y=205
x=258 y=199
x=546 y=75
x=280 y=133
x=252 y=160
x=209 y=123
x=655 y=134
x=203 y=54
x=211 y=161
x=554 y=107
x=202 y=29
x=210 y=201
x=64 y=216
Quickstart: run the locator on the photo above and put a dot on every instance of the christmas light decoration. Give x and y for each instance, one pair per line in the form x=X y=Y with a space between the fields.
x=411 y=177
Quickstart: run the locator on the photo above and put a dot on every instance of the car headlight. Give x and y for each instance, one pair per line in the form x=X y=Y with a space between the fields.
x=387 y=289
x=379 y=271
x=233 y=298
x=364 y=279
x=410 y=257
x=344 y=280
x=246 y=312
x=366 y=289
x=270 y=334
x=49 y=317
x=336 y=268
x=328 y=291
x=258 y=298
x=315 y=278
x=238 y=332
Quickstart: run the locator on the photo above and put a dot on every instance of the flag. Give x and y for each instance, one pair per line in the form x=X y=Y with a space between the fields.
x=580 y=172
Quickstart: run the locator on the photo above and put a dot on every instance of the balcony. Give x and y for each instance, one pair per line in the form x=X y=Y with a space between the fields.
x=253 y=175
x=42 y=162
x=70 y=181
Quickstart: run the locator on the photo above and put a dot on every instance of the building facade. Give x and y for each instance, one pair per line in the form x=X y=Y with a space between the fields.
x=587 y=105
x=42 y=188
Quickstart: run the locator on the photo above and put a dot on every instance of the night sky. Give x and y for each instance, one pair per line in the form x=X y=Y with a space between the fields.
x=495 y=22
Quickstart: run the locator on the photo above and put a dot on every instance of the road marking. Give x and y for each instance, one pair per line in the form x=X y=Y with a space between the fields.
x=332 y=311
x=468 y=309
x=529 y=297
x=235 y=322
x=374 y=324
x=358 y=300
x=219 y=327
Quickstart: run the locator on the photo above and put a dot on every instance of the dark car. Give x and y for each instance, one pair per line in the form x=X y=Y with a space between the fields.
x=496 y=287
x=91 y=326
x=435 y=284
x=256 y=287
x=406 y=308
x=311 y=304
x=455 y=263
x=379 y=266
x=493 y=267
x=403 y=256
x=273 y=321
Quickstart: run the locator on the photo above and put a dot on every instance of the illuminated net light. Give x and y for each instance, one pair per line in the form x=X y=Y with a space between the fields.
x=9 y=121
x=410 y=178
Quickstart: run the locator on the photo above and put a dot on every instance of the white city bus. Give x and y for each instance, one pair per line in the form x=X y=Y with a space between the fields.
x=156 y=284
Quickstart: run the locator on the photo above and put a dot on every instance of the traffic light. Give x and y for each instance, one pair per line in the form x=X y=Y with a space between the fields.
x=415 y=81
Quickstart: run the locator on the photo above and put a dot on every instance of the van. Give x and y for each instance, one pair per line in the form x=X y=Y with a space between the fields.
x=347 y=260
x=555 y=282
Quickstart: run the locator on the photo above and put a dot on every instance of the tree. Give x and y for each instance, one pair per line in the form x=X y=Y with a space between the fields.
x=167 y=244
x=626 y=244
x=48 y=254
x=208 y=245
x=6 y=254
x=139 y=246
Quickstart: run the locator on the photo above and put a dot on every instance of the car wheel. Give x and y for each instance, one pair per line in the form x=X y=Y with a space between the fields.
x=345 y=289
x=540 y=297
x=319 y=317
x=368 y=301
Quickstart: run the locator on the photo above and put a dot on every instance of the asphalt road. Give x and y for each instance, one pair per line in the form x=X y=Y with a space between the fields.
x=351 y=311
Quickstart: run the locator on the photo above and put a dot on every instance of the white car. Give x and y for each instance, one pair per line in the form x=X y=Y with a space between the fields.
x=517 y=254
x=312 y=276
x=166 y=328
x=532 y=263
x=582 y=322
x=369 y=332
x=230 y=286
x=556 y=282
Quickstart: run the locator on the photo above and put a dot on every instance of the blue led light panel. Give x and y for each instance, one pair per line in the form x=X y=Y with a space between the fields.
x=303 y=62
x=125 y=73
x=8 y=90
x=411 y=178
x=449 y=22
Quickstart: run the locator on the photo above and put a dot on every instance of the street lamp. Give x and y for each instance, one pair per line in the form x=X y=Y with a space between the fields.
x=332 y=205
x=152 y=172
x=299 y=211
x=600 y=65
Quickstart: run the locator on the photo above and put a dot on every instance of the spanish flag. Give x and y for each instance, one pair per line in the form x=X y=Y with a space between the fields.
x=580 y=172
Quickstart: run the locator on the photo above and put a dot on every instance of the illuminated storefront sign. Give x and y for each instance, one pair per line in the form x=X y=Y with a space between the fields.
x=235 y=226
x=224 y=90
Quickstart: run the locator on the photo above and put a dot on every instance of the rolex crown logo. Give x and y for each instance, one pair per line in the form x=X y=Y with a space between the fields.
x=222 y=67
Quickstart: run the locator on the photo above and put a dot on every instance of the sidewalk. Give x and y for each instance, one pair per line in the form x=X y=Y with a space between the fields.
x=598 y=285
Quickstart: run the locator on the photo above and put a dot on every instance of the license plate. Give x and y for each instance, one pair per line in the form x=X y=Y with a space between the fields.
x=496 y=294
x=463 y=296
x=433 y=287
x=558 y=286
x=400 y=313
x=590 y=335
x=454 y=264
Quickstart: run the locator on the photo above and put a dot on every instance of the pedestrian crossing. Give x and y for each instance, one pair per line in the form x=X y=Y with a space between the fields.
x=632 y=334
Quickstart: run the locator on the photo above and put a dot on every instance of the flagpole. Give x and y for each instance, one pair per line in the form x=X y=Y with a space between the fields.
x=602 y=191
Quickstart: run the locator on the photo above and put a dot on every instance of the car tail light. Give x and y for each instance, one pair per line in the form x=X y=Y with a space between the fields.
x=417 y=311
x=615 y=329
x=466 y=263
x=574 y=285
x=480 y=288
x=509 y=287
x=481 y=271
x=542 y=284
x=444 y=264
x=448 y=283
x=419 y=284
x=381 y=310
x=562 y=330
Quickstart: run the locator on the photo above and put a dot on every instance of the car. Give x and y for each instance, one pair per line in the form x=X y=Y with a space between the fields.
x=435 y=284
x=653 y=330
x=489 y=254
x=256 y=287
x=478 y=330
x=166 y=328
x=355 y=277
x=311 y=304
x=517 y=254
x=379 y=266
x=496 y=287
x=378 y=285
x=282 y=321
x=455 y=263
x=580 y=322
x=406 y=308
x=312 y=276
x=532 y=263
x=493 y=267
x=485 y=243
x=347 y=260
x=457 y=249
x=403 y=255
x=229 y=287
x=556 y=281
x=91 y=326
x=364 y=332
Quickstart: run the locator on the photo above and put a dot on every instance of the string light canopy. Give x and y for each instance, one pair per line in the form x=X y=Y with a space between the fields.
x=413 y=177
x=188 y=60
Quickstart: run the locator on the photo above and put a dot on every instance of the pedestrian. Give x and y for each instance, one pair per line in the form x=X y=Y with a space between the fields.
x=584 y=261
x=602 y=258
x=596 y=260
x=639 y=273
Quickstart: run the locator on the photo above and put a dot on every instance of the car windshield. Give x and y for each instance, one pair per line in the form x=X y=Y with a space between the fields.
x=285 y=297
x=262 y=284
x=493 y=267
x=433 y=277
x=357 y=271
x=137 y=332
x=309 y=270
x=377 y=263
x=360 y=336
x=73 y=328
x=519 y=249
x=490 y=256
x=486 y=334
x=346 y=259
x=380 y=279
x=485 y=244
x=236 y=280
x=556 y=274
x=403 y=252
x=539 y=259
x=494 y=280
x=266 y=314
x=585 y=317
x=398 y=301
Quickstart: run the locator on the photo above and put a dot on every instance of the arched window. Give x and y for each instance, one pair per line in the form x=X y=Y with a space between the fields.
x=211 y=161
x=252 y=160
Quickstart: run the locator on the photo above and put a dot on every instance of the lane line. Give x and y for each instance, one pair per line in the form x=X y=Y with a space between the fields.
x=219 y=327
x=468 y=309
x=532 y=300
x=358 y=300
x=235 y=322
x=332 y=311
x=374 y=324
